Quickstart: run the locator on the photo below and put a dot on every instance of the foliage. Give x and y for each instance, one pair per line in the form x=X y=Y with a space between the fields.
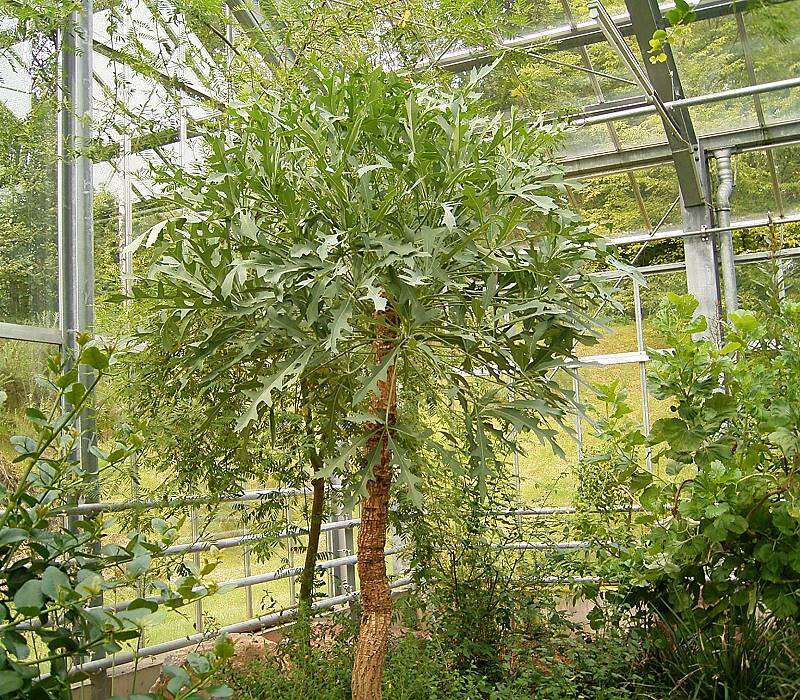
x=422 y=664
x=53 y=576
x=325 y=207
x=718 y=534
x=471 y=586
x=755 y=659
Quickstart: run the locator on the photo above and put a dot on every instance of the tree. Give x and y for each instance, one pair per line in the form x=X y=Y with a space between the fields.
x=362 y=235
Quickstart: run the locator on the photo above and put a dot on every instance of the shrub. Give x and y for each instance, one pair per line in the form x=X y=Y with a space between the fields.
x=52 y=576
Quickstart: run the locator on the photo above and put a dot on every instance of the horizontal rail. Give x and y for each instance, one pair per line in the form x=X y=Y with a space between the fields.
x=255 y=579
x=228 y=542
x=568 y=510
x=543 y=546
x=557 y=580
x=35 y=334
x=678 y=233
x=177 y=502
x=256 y=623
x=741 y=259
x=609 y=359
x=708 y=98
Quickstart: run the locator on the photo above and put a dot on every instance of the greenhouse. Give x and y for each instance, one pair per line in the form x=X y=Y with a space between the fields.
x=408 y=350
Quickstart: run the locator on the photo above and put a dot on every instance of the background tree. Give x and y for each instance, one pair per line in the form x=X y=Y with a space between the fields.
x=362 y=234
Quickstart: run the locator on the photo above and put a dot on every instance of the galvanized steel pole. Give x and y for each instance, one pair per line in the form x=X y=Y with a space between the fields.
x=726 y=254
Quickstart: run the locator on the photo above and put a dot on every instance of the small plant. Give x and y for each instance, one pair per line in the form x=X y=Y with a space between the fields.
x=744 y=660
x=52 y=576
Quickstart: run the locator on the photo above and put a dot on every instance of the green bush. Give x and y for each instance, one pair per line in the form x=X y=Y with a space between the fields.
x=53 y=575
x=427 y=664
x=707 y=571
x=752 y=660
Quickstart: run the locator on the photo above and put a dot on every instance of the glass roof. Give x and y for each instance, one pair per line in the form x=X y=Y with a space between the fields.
x=153 y=74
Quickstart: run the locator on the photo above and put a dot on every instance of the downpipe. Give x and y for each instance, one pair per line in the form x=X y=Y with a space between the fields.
x=725 y=237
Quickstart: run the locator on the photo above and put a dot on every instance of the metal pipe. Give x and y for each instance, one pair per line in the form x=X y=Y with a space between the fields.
x=543 y=546
x=239 y=540
x=725 y=236
x=741 y=259
x=257 y=623
x=149 y=504
x=689 y=101
x=36 y=334
x=253 y=579
x=679 y=233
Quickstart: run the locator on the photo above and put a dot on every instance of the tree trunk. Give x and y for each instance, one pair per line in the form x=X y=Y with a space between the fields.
x=376 y=601
x=305 y=599
x=314 y=526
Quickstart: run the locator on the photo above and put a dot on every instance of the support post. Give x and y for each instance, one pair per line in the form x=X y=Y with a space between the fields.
x=725 y=237
x=341 y=544
x=76 y=236
x=702 y=279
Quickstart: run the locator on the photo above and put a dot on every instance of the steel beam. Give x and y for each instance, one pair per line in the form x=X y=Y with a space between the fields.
x=739 y=141
x=666 y=86
x=76 y=235
x=702 y=268
x=567 y=37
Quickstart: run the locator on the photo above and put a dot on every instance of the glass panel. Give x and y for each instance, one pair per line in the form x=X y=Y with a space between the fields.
x=619 y=323
x=610 y=203
x=773 y=36
x=586 y=140
x=653 y=299
x=710 y=59
x=606 y=60
x=107 y=252
x=580 y=9
x=537 y=16
x=28 y=233
x=722 y=117
x=549 y=85
x=787 y=165
x=643 y=130
x=753 y=193
x=659 y=190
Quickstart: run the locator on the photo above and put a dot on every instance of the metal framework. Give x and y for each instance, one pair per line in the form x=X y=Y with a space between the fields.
x=706 y=223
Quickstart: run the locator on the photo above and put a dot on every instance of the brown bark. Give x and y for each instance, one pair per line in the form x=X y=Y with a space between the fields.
x=376 y=601
x=314 y=526
x=305 y=599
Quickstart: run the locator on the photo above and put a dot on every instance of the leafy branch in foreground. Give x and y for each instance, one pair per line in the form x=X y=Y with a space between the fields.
x=53 y=576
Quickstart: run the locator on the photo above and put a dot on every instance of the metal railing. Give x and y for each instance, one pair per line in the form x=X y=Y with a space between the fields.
x=339 y=530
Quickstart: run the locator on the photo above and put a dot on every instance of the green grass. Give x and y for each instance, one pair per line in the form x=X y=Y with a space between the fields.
x=547 y=479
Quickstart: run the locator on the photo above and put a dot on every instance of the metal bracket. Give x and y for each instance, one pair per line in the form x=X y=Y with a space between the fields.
x=599 y=14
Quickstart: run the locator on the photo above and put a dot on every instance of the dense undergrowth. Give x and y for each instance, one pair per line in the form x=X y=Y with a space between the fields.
x=557 y=661
x=424 y=663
